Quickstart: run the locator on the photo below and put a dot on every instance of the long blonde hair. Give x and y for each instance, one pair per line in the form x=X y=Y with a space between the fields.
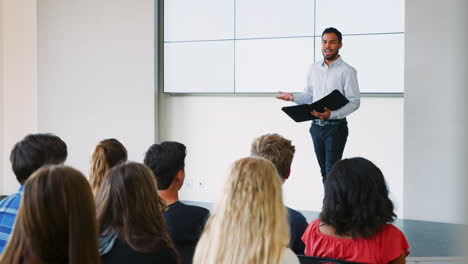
x=249 y=224
x=56 y=222
x=107 y=154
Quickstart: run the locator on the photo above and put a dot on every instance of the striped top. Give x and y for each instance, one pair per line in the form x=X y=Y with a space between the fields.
x=8 y=211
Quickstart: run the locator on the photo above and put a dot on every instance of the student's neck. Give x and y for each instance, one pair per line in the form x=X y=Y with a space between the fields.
x=169 y=196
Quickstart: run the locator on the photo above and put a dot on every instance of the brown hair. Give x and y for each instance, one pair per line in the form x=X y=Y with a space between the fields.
x=276 y=149
x=56 y=221
x=129 y=205
x=106 y=155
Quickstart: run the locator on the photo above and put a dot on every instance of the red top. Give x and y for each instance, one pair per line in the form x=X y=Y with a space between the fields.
x=383 y=247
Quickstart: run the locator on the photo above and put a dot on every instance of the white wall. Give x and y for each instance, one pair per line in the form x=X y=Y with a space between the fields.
x=2 y=127
x=217 y=130
x=19 y=80
x=436 y=118
x=96 y=74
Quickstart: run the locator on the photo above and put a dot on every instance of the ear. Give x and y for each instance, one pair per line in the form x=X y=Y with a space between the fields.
x=287 y=174
x=340 y=46
x=180 y=177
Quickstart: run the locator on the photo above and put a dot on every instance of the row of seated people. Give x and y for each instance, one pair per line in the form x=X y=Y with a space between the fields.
x=130 y=212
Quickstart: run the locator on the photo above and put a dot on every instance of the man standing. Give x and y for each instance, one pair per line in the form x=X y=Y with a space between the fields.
x=330 y=131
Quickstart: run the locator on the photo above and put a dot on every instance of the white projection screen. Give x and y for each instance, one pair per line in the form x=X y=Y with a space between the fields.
x=263 y=46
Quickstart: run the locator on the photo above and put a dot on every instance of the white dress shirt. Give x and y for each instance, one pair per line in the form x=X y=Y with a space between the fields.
x=323 y=79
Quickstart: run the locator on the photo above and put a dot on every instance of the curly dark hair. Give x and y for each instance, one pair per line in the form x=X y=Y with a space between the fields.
x=356 y=199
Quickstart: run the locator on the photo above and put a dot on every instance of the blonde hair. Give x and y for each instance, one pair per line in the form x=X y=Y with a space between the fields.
x=107 y=154
x=249 y=224
x=56 y=221
x=276 y=149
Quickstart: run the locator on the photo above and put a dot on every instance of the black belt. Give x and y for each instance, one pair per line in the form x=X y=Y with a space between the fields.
x=328 y=122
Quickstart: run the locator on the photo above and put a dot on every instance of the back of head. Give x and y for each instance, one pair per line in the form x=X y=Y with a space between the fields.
x=165 y=160
x=249 y=223
x=129 y=206
x=356 y=199
x=56 y=221
x=34 y=151
x=276 y=149
x=106 y=155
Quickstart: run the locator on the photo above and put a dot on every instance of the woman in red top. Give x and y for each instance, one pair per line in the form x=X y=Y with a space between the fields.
x=354 y=224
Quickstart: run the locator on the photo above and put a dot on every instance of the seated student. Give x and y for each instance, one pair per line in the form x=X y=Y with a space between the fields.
x=280 y=152
x=56 y=221
x=107 y=154
x=185 y=222
x=249 y=224
x=28 y=155
x=130 y=220
x=354 y=224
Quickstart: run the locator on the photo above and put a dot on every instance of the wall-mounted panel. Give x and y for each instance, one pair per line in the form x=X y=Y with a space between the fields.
x=360 y=16
x=378 y=59
x=199 y=67
x=274 y=18
x=269 y=65
x=198 y=20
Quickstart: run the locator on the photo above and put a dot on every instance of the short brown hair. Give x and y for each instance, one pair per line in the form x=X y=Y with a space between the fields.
x=276 y=149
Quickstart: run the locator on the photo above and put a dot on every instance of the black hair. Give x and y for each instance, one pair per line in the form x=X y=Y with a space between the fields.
x=335 y=31
x=34 y=151
x=165 y=160
x=356 y=199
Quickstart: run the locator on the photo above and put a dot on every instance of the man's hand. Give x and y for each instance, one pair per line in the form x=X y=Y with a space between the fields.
x=285 y=96
x=323 y=116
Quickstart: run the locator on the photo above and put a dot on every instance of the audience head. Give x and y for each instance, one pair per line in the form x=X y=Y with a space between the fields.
x=34 y=151
x=276 y=149
x=356 y=199
x=249 y=223
x=56 y=221
x=107 y=154
x=167 y=161
x=129 y=206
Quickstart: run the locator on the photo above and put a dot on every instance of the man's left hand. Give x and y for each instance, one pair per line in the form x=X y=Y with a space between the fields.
x=323 y=116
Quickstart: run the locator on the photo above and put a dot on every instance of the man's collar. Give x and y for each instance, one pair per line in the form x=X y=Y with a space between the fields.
x=336 y=62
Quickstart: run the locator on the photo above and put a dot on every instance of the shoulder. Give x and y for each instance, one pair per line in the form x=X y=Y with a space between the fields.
x=180 y=211
x=11 y=202
x=289 y=257
x=195 y=209
x=121 y=252
x=296 y=216
x=393 y=241
x=348 y=68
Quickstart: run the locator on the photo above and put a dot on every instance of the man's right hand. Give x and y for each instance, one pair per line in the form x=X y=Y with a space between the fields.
x=285 y=96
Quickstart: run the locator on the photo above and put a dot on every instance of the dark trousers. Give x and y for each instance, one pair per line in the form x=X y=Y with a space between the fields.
x=329 y=142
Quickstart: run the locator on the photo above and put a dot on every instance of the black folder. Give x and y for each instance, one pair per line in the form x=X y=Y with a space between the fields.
x=299 y=113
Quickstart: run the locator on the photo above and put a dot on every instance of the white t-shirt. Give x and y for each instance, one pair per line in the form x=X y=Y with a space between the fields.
x=289 y=257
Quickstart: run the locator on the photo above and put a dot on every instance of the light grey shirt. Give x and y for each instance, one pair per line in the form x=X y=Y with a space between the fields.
x=322 y=80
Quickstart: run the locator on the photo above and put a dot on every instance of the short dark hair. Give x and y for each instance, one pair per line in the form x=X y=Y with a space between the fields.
x=335 y=31
x=34 y=151
x=356 y=199
x=165 y=160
